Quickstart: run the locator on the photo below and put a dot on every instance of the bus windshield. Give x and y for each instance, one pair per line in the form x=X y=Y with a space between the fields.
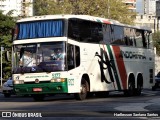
x=39 y=29
x=40 y=57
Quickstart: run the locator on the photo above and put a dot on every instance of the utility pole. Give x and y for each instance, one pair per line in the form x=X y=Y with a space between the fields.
x=158 y=23
x=2 y=49
x=1 y=66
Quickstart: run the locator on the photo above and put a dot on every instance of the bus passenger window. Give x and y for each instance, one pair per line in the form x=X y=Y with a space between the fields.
x=135 y=42
x=126 y=40
x=118 y=35
x=130 y=41
x=144 y=39
x=150 y=44
x=73 y=29
x=106 y=33
x=138 y=38
x=85 y=31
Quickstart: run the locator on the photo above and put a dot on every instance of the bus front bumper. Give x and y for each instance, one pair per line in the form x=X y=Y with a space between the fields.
x=41 y=88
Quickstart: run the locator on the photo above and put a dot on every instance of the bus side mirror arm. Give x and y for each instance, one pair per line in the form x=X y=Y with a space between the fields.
x=7 y=56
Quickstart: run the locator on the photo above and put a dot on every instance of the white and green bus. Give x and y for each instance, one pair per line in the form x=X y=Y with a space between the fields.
x=99 y=55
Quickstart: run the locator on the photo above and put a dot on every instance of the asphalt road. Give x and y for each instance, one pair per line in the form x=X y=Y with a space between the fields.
x=116 y=105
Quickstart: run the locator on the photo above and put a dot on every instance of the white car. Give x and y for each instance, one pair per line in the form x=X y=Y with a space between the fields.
x=7 y=88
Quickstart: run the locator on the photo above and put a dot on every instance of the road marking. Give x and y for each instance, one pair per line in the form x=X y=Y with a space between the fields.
x=149 y=93
x=138 y=106
x=155 y=101
x=133 y=107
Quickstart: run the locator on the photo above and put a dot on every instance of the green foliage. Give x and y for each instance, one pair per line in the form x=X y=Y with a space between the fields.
x=113 y=9
x=6 y=25
x=156 y=41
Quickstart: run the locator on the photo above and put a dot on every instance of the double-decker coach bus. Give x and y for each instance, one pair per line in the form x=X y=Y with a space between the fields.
x=80 y=55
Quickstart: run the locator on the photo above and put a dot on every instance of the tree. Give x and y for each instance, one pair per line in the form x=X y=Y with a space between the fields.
x=112 y=9
x=6 y=25
x=156 y=41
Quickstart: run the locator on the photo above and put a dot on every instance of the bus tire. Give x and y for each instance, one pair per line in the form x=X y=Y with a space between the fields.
x=84 y=89
x=153 y=88
x=38 y=97
x=131 y=88
x=7 y=95
x=138 y=90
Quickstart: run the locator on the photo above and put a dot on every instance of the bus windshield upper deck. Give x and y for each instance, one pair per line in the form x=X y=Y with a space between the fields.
x=39 y=29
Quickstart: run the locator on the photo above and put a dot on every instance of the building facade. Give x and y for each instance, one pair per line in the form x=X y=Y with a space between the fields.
x=18 y=7
x=149 y=7
x=146 y=20
x=148 y=14
x=131 y=4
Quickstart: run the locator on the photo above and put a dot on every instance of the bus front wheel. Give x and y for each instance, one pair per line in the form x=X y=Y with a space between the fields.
x=83 y=92
x=7 y=95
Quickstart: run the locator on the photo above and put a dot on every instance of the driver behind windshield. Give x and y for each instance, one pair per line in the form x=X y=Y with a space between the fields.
x=27 y=59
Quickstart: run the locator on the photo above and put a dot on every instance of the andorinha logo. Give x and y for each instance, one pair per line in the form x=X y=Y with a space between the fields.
x=132 y=55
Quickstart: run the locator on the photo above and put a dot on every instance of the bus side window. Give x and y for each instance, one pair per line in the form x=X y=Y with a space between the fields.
x=73 y=56
x=118 y=35
x=146 y=34
x=135 y=42
x=77 y=56
x=150 y=44
x=129 y=38
x=126 y=40
x=133 y=37
x=96 y=32
x=112 y=32
x=70 y=56
x=106 y=33
x=73 y=29
x=139 y=39
x=144 y=39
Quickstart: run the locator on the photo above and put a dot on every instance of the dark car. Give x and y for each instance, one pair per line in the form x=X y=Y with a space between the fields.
x=157 y=82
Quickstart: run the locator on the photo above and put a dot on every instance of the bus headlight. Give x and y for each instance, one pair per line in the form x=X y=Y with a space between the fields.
x=58 y=80
x=18 y=81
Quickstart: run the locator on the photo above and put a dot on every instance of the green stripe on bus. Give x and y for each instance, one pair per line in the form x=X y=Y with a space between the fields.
x=98 y=20
x=114 y=67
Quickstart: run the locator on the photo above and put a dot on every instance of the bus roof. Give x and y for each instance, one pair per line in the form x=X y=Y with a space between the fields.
x=85 y=17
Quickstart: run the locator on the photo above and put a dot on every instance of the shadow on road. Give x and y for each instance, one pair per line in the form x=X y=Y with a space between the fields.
x=68 y=97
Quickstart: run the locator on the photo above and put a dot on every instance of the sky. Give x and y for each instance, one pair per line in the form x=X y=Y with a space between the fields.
x=139 y=7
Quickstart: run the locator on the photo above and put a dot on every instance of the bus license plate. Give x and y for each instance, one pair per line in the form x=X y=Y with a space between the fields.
x=37 y=89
